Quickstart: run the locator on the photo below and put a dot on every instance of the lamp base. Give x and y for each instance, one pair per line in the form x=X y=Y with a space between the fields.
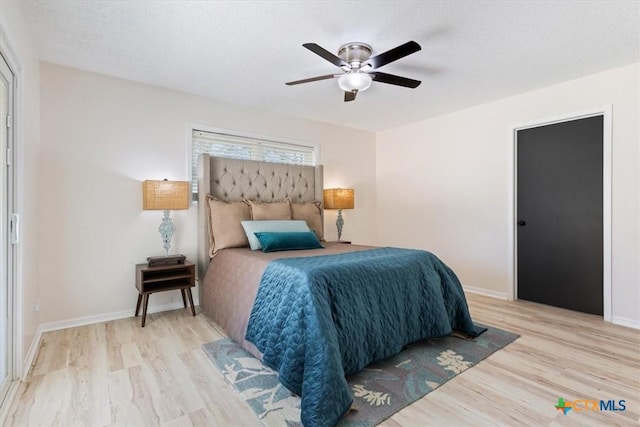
x=339 y=224
x=153 y=261
x=166 y=230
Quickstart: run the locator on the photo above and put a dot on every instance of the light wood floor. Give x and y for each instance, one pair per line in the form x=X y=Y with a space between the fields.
x=116 y=373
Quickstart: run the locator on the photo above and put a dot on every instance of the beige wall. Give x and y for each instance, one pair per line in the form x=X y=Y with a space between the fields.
x=16 y=45
x=101 y=137
x=446 y=184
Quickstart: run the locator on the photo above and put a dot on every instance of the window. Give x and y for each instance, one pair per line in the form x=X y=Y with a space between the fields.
x=249 y=148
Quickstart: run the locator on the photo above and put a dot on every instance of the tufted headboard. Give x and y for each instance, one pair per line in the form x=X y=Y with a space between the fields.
x=234 y=180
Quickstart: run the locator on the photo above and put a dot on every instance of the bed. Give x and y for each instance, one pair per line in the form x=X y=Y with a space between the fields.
x=313 y=315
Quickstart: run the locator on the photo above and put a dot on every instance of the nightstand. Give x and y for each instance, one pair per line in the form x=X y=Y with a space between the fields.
x=162 y=278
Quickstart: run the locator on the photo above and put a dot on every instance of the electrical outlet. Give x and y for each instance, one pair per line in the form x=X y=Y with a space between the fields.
x=36 y=308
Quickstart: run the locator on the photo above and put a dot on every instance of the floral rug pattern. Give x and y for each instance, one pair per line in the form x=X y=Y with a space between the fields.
x=379 y=391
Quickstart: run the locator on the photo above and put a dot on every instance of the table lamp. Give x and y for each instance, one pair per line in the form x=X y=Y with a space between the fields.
x=167 y=196
x=339 y=198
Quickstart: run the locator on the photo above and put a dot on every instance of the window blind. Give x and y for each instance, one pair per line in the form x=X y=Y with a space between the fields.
x=241 y=147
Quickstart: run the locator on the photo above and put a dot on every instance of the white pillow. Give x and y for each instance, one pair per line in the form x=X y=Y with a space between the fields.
x=251 y=227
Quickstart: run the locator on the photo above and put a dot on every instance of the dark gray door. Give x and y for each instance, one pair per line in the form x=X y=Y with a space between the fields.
x=559 y=214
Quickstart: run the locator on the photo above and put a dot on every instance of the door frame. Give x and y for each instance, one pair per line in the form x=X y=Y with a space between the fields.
x=605 y=112
x=6 y=250
x=14 y=249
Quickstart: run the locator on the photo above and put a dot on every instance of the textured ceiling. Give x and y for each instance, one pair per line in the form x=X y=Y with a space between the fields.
x=242 y=52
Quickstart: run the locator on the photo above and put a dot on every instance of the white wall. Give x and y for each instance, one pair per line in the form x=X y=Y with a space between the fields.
x=101 y=137
x=446 y=184
x=15 y=43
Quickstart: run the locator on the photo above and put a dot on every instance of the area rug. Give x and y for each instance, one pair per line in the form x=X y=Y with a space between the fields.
x=381 y=390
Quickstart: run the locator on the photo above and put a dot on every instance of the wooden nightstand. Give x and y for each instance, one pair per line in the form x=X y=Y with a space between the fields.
x=162 y=278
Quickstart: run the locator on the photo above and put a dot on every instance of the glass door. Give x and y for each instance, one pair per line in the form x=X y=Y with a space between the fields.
x=6 y=294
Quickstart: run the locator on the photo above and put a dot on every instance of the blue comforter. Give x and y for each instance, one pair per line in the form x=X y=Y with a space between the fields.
x=317 y=319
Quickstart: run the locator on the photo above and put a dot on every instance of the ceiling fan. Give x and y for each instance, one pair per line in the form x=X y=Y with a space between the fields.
x=360 y=68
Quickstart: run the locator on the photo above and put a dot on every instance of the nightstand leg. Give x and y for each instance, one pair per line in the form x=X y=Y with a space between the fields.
x=138 y=304
x=193 y=309
x=144 y=308
x=184 y=298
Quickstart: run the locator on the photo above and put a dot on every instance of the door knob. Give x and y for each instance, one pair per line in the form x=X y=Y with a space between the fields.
x=522 y=223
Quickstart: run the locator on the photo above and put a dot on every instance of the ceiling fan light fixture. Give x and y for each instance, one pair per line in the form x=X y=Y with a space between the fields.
x=354 y=81
x=359 y=68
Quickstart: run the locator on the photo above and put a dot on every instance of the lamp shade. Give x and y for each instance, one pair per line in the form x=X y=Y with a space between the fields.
x=165 y=195
x=338 y=198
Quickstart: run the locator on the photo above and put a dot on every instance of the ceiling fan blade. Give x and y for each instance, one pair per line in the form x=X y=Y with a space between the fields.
x=312 y=79
x=394 y=54
x=325 y=54
x=392 y=79
x=350 y=96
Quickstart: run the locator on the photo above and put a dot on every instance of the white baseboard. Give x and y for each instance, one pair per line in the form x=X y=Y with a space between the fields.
x=105 y=317
x=616 y=320
x=31 y=353
x=8 y=401
x=486 y=292
x=88 y=320
x=623 y=321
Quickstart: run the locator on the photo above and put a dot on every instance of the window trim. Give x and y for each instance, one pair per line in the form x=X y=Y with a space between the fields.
x=241 y=134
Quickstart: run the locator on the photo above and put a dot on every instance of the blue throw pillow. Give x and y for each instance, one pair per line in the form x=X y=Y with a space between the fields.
x=288 y=241
x=253 y=227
